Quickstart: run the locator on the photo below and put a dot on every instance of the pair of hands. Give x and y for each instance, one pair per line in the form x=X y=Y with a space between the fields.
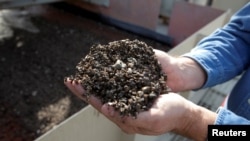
x=170 y=112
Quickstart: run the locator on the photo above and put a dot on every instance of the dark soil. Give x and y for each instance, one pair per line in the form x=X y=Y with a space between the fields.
x=33 y=97
x=125 y=74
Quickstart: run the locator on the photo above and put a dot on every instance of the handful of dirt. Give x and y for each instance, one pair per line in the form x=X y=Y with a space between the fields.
x=125 y=74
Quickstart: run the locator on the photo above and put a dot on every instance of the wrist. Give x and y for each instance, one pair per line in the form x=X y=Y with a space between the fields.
x=195 y=122
x=192 y=75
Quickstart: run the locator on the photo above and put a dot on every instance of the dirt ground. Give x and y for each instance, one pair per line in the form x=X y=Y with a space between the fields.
x=33 y=97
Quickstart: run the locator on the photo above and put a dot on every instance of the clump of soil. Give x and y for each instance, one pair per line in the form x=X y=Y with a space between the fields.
x=124 y=73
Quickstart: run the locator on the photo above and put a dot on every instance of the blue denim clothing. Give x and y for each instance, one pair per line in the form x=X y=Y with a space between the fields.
x=225 y=54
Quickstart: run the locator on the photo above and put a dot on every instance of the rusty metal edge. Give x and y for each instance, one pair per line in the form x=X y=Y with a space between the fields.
x=147 y=33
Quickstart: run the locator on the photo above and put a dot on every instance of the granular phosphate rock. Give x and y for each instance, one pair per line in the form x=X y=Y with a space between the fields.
x=125 y=74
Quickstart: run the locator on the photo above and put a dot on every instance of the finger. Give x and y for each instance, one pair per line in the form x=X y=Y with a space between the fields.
x=140 y=120
x=94 y=101
x=68 y=82
x=120 y=121
x=127 y=129
x=78 y=90
x=144 y=131
x=109 y=112
x=139 y=123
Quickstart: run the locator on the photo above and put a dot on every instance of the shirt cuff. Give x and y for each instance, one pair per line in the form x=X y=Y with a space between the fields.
x=211 y=62
x=227 y=117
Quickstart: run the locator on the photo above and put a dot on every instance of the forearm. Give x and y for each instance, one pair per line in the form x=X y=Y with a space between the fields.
x=224 y=54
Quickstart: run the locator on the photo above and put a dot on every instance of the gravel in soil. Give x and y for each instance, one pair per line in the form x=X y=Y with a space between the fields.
x=33 y=97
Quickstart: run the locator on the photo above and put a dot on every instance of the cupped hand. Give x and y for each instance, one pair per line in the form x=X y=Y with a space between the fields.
x=169 y=112
x=165 y=115
x=170 y=68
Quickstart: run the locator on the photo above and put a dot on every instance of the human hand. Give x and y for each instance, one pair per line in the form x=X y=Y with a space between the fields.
x=182 y=73
x=167 y=114
x=168 y=110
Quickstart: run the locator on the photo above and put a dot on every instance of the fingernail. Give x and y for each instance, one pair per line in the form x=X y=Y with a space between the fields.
x=70 y=79
x=66 y=79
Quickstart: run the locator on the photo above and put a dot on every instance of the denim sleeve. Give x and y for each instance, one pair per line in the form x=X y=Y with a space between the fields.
x=226 y=116
x=226 y=52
